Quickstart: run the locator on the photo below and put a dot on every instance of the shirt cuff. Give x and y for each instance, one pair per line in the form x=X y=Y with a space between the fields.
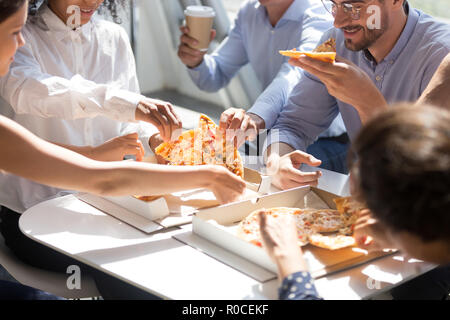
x=298 y=286
x=197 y=72
x=128 y=102
x=265 y=111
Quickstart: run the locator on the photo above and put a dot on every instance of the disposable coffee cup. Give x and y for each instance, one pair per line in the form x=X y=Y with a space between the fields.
x=199 y=20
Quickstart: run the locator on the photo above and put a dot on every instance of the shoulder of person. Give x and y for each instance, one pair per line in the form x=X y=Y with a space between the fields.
x=432 y=31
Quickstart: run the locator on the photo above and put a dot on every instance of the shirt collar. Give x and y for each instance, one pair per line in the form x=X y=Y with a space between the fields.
x=295 y=11
x=59 y=29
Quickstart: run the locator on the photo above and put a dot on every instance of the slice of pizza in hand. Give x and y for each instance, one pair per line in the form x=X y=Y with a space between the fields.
x=325 y=52
x=331 y=242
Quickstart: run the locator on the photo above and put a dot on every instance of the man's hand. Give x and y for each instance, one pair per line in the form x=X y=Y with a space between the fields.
x=285 y=173
x=240 y=125
x=369 y=234
x=117 y=148
x=189 y=56
x=161 y=115
x=280 y=240
x=347 y=83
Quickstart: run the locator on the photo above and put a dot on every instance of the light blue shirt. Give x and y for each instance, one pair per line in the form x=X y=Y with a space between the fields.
x=401 y=77
x=253 y=40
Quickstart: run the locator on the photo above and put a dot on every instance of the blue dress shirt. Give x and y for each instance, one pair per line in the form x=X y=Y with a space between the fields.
x=254 y=40
x=401 y=77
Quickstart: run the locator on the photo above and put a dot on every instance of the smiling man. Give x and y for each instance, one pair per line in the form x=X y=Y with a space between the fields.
x=387 y=53
x=261 y=29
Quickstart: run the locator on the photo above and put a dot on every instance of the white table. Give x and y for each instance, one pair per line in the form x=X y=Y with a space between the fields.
x=170 y=269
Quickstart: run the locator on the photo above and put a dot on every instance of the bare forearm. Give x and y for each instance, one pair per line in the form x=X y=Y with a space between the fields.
x=85 y=151
x=59 y=167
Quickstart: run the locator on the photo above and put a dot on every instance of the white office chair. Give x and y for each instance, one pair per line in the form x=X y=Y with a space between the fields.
x=51 y=282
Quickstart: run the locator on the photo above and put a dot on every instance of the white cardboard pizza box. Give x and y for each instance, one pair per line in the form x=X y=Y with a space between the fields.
x=219 y=225
x=170 y=210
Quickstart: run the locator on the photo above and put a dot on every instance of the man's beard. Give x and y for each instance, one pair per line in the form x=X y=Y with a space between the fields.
x=370 y=37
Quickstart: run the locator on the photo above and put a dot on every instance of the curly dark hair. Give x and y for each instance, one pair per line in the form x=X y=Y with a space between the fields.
x=403 y=170
x=9 y=7
x=112 y=6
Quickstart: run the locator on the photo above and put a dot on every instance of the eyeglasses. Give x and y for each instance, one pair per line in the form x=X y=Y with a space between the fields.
x=354 y=11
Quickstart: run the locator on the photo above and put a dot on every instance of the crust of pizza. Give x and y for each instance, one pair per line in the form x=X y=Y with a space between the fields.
x=327 y=46
x=147 y=198
x=331 y=242
x=325 y=52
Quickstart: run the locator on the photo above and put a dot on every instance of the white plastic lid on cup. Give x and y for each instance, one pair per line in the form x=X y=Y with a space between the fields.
x=200 y=12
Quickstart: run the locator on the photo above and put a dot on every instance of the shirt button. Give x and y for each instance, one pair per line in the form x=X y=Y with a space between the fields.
x=273 y=31
x=378 y=78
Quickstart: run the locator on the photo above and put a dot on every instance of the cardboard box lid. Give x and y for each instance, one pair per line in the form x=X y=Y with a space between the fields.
x=216 y=225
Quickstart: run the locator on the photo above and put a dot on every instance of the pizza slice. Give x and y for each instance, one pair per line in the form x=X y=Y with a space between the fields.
x=325 y=52
x=349 y=208
x=331 y=242
x=201 y=146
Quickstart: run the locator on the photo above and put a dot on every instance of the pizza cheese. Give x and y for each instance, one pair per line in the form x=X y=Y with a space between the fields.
x=201 y=146
x=324 y=228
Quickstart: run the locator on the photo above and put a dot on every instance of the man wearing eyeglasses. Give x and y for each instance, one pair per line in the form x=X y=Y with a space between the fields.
x=387 y=53
x=261 y=29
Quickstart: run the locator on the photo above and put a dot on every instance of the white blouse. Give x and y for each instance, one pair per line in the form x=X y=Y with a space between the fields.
x=75 y=87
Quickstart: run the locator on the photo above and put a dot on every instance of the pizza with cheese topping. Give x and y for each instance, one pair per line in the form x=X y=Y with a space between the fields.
x=325 y=52
x=324 y=228
x=201 y=146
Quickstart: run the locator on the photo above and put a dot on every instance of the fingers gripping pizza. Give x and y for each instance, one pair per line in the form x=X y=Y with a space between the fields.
x=201 y=146
x=324 y=228
x=325 y=52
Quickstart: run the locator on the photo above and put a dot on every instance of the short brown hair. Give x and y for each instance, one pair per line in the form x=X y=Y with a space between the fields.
x=403 y=169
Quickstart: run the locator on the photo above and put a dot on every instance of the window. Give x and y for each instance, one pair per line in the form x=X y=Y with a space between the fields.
x=436 y=8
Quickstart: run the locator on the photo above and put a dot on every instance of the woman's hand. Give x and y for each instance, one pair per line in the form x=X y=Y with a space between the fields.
x=227 y=186
x=280 y=239
x=117 y=148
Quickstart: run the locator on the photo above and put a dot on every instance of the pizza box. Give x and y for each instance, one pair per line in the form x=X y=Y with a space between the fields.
x=218 y=225
x=173 y=209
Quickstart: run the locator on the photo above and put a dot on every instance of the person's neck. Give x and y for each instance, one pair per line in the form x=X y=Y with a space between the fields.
x=275 y=12
x=387 y=41
x=62 y=18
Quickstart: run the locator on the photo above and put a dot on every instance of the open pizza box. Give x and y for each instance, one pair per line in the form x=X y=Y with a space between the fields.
x=219 y=225
x=170 y=210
